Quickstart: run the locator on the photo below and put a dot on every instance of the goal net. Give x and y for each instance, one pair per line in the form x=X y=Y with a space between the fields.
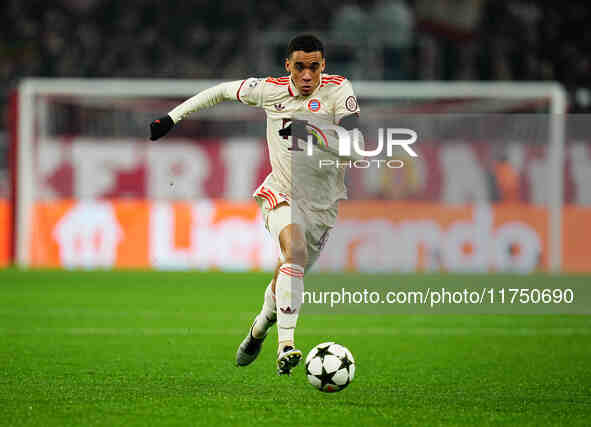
x=485 y=194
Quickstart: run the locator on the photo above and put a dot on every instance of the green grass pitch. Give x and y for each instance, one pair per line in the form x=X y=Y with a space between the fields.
x=157 y=348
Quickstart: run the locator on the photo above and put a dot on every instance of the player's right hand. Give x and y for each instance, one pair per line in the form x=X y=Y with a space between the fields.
x=160 y=127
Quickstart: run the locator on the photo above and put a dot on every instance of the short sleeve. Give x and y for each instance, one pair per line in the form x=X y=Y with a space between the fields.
x=345 y=101
x=250 y=91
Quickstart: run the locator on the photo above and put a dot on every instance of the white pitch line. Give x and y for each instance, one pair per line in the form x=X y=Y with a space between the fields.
x=509 y=331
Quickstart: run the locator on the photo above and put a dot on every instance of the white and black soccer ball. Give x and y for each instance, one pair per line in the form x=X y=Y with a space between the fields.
x=330 y=367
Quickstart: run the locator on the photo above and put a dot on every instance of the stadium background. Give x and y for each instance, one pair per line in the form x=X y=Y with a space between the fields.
x=390 y=40
x=84 y=343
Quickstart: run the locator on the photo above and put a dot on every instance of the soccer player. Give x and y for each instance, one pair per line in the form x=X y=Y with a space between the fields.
x=298 y=198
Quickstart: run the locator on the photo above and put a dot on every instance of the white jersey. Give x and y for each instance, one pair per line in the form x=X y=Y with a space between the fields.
x=294 y=173
x=295 y=176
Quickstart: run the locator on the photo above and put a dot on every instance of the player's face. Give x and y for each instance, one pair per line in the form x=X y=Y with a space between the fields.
x=305 y=69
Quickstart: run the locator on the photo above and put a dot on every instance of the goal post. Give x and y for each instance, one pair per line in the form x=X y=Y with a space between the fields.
x=33 y=95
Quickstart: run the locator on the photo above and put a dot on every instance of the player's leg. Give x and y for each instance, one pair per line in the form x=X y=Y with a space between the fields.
x=289 y=285
x=292 y=253
x=289 y=289
x=267 y=317
x=250 y=347
x=316 y=237
x=285 y=291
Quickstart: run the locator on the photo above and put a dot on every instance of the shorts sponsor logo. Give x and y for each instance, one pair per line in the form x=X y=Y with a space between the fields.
x=323 y=239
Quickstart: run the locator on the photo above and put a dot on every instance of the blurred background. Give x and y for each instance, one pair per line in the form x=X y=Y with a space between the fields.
x=91 y=149
x=518 y=40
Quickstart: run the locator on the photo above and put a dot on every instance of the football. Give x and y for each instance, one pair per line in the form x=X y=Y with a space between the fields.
x=330 y=367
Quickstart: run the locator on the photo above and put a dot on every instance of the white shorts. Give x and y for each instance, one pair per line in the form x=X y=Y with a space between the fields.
x=277 y=216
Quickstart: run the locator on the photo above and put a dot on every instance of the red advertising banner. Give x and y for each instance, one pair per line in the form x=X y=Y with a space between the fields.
x=369 y=236
x=576 y=232
x=5 y=225
x=96 y=168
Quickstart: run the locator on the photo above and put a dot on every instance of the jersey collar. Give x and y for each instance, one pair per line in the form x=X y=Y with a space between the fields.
x=292 y=88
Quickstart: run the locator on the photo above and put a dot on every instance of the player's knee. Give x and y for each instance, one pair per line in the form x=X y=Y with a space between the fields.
x=296 y=253
x=293 y=245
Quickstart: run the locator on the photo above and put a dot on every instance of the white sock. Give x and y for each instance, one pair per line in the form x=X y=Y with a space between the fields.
x=268 y=315
x=289 y=290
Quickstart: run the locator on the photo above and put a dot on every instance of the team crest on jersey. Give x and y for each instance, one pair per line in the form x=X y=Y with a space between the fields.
x=314 y=105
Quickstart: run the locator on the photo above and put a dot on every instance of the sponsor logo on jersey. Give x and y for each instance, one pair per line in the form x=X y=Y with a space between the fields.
x=314 y=105
x=279 y=107
x=351 y=103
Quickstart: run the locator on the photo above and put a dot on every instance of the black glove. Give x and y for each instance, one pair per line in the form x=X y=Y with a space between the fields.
x=160 y=127
x=297 y=129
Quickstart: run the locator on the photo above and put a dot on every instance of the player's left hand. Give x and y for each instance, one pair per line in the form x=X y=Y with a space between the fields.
x=160 y=127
